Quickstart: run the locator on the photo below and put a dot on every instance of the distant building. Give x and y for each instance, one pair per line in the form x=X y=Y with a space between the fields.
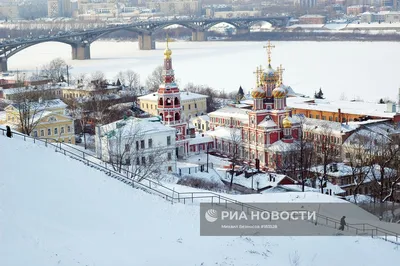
x=176 y=7
x=58 y=8
x=382 y=16
x=236 y=14
x=355 y=10
x=312 y=19
x=305 y=3
x=50 y=119
x=343 y=111
x=9 y=11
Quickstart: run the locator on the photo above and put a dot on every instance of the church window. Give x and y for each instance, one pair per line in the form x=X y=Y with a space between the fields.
x=69 y=128
x=195 y=105
x=48 y=132
x=42 y=133
x=62 y=130
x=55 y=131
x=189 y=107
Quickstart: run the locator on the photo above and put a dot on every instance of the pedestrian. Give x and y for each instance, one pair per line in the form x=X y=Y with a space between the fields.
x=342 y=223
x=8 y=134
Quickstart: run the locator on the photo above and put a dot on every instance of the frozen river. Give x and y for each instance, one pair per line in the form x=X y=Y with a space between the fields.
x=366 y=70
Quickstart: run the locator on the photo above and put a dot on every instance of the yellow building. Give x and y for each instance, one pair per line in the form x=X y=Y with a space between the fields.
x=49 y=121
x=193 y=104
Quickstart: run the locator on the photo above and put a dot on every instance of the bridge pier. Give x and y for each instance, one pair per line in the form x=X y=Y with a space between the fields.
x=243 y=31
x=146 y=42
x=81 y=51
x=3 y=64
x=199 y=36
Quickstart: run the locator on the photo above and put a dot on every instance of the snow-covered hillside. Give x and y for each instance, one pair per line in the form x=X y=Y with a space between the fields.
x=57 y=211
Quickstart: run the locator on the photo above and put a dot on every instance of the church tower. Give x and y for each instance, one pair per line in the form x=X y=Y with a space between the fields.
x=169 y=98
x=270 y=76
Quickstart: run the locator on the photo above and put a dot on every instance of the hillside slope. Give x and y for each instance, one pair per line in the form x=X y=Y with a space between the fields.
x=57 y=211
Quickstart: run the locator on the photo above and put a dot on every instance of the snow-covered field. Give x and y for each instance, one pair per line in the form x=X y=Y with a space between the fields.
x=350 y=68
x=57 y=211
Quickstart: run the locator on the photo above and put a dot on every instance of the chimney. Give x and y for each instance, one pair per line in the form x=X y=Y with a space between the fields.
x=340 y=115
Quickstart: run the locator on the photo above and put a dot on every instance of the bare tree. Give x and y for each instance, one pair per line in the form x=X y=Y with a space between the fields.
x=235 y=148
x=155 y=79
x=131 y=80
x=56 y=70
x=126 y=151
x=98 y=76
x=77 y=109
x=326 y=149
x=212 y=99
x=385 y=177
x=358 y=154
x=30 y=106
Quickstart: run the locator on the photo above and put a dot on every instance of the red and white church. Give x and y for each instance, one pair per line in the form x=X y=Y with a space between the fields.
x=266 y=126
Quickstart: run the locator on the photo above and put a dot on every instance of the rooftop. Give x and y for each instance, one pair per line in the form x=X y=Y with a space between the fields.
x=131 y=126
x=229 y=111
x=347 y=107
x=185 y=96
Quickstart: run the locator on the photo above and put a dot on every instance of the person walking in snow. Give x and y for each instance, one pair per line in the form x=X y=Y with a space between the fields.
x=342 y=223
x=8 y=134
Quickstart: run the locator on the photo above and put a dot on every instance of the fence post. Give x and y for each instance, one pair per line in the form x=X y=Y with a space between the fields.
x=192 y=197
x=24 y=138
x=34 y=140
x=219 y=199
x=83 y=155
x=65 y=152
x=212 y=200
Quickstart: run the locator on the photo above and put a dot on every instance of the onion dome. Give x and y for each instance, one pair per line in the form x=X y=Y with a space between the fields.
x=258 y=93
x=270 y=75
x=167 y=53
x=286 y=122
x=279 y=92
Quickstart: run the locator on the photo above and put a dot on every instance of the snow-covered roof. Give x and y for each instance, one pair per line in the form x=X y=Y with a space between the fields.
x=229 y=111
x=139 y=126
x=348 y=107
x=200 y=138
x=317 y=125
x=267 y=122
x=185 y=96
x=280 y=146
x=343 y=170
x=46 y=104
x=224 y=133
x=200 y=117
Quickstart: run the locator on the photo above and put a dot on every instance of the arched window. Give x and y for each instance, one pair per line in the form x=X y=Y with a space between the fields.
x=177 y=117
x=168 y=101
x=160 y=101
x=162 y=116
x=176 y=101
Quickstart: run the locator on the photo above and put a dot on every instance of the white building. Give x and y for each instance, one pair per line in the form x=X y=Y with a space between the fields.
x=138 y=144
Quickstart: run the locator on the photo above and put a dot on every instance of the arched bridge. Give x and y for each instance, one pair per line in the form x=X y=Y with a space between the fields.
x=80 y=40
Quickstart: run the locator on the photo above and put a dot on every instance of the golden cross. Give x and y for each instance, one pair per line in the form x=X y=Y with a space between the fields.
x=167 y=39
x=257 y=72
x=269 y=51
x=280 y=72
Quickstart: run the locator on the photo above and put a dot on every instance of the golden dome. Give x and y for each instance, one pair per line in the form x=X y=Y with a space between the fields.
x=167 y=53
x=258 y=93
x=279 y=92
x=286 y=122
